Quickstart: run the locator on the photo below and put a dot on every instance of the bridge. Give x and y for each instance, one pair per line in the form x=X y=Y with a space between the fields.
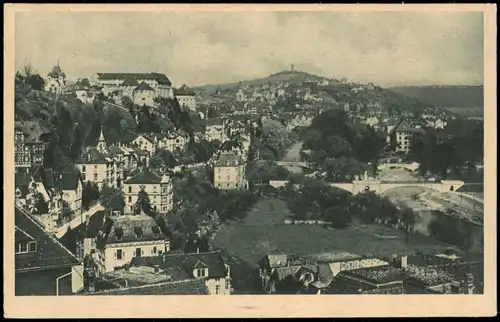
x=380 y=187
x=383 y=166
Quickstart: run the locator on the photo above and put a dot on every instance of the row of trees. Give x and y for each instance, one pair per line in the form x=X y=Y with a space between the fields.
x=316 y=200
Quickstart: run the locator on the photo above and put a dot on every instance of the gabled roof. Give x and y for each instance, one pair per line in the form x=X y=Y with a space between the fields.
x=56 y=72
x=49 y=254
x=69 y=180
x=186 y=287
x=95 y=224
x=160 y=78
x=184 y=91
x=229 y=160
x=187 y=262
x=129 y=225
x=143 y=86
x=46 y=177
x=92 y=156
x=144 y=177
x=22 y=181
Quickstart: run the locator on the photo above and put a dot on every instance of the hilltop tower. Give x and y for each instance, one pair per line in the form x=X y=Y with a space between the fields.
x=292 y=68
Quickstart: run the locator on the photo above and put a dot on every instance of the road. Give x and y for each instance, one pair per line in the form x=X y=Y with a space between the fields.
x=78 y=220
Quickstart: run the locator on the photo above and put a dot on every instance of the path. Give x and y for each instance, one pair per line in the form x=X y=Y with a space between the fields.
x=78 y=220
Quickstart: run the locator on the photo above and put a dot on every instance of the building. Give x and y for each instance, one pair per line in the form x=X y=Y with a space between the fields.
x=56 y=80
x=214 y=130
x=43 y=266
x=28 y=149
x=186 y=97
x=404 y=136
x=209 y=267
x=186 y=287
x=172 y=141
x=229 y=172
x=128 y=82
x=145 y=143
x=114 y=241
x=158 y=188
x=144 y=94
x=71 y=186
x=95 y=167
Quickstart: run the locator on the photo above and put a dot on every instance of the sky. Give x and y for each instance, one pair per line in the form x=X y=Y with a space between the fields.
x=197 y=48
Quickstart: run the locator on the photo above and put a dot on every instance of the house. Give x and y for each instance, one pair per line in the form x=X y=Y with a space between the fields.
x=160 y=83
x=209 y=267
x=229 y=172
x=43 y=266
x=145 y=143
x=143 y=94
x=71 y=187
x=371 y=121
x=158 y=188
x=56 y=80
x=86 y=244
x=214 y=130
x=84 y=94
x=172 y=141
x=115 y=240
x=28 y=149
x=186 y=97
x=240 y=95
x=95 y=167
x=404 y=135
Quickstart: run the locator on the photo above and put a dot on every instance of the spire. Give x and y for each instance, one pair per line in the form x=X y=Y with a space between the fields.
x=57 y=64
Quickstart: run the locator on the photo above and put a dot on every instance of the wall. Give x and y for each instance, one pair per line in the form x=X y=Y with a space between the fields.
x=144 y=98
x=159 y=195
x=188 y=101
x=128 y=252
x=229 y=177
x=90 y=170
x=212 y=283
x=77 y=278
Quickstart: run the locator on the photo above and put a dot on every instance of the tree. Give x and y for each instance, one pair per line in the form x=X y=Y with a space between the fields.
x=408 y=217
x=36 y=82
x=112 y=198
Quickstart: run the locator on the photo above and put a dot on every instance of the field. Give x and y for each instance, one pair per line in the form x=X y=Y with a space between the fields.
x=263 y=232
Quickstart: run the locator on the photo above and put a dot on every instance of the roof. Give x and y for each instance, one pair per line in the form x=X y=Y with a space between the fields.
x=229 y=160
x=186 y=287
x=143 y=87
x=187 y=262
x=69 y=180
x=144 y=177
x=427 y=275
x=332 y=257
x=92 y=156
x=130 y=226
x=378 y=274
x=56 y=72
x=130 y=81
x=22 y=181
x=49 y=253
x=160 y=78
x=149 y=138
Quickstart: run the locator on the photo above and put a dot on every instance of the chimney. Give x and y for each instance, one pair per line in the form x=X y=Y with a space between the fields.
x=157 y=269
x=404 y=261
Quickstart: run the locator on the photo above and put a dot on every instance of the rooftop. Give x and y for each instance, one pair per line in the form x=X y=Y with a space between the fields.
x=160 y=78
x=377 y=274
x=229 y=160
x=92 y=156
x=186 y=287
x=427 y=275
x=184 y=91
x=49 y=252
x=146 y=176
x=130 y=228
x=143 y=87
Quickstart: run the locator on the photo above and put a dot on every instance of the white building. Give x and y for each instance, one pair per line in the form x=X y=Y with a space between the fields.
x=56 y=80
x=172 y=141
x=113 y=241
x=160 y=83
x=229 y=172
x=404 y=136
x=158 y=188
x=186 y=97
x=214 y=130
x=146 y=143
x=95 y=167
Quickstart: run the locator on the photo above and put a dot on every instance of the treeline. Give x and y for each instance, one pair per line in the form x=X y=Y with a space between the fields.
x=316 y=200
x=342 y=149
x=445 y=96
x=454 y=152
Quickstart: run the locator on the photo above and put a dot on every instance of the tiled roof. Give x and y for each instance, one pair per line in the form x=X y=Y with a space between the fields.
x=427 y=275
x=49 y=253
x=46 y=177
x=69 y=180
x=143 y=87
x=144 y=177
x=160 y=78
x=187 y=262
x=140 y=152
x=183 y=91
x=332 y=257
x=130 y=225
x=378 y=274
x=187 y=287
x=56 y=72
x=22 y=181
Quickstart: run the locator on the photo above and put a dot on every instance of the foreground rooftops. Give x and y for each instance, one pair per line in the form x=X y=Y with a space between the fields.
x=49 y=253
x=186 y=287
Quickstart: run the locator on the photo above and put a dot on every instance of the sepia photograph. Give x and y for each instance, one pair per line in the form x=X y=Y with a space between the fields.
x=248 y=152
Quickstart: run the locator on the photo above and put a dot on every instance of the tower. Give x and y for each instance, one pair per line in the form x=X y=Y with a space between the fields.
x=292 y=68
x=101 y=144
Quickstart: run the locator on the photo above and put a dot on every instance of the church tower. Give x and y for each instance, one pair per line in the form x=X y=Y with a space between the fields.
x=56 y=80
x=101 y=144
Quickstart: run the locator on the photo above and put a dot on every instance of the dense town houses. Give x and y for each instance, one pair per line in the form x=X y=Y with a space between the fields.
x=43 y=266
x=158 y=188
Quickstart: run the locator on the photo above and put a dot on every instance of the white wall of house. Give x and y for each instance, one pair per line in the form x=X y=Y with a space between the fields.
x=160 y=195
x=144 y=97
x=229 y=177
x=118 y=254
x=188 y=101
x=144 y=144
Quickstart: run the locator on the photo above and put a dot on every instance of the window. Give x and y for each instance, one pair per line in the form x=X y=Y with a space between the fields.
x=22 y=248
x=95 y=176
x=227 y=284
x=138 y=252
x=32 y=246
x=129 y=198
x=83 y=168
x=154 y=250
x=119 y=254
x=217 y=289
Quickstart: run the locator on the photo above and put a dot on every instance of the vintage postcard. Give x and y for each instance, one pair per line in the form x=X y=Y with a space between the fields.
x=249 y=160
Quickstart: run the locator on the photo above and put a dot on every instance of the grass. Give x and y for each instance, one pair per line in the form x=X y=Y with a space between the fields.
x=263 y=232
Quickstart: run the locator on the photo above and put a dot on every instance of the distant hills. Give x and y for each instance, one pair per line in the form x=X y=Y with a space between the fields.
x=445 y=96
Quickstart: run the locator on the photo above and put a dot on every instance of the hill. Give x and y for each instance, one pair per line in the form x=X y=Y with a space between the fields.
x=292 y=77
x=445 y=96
